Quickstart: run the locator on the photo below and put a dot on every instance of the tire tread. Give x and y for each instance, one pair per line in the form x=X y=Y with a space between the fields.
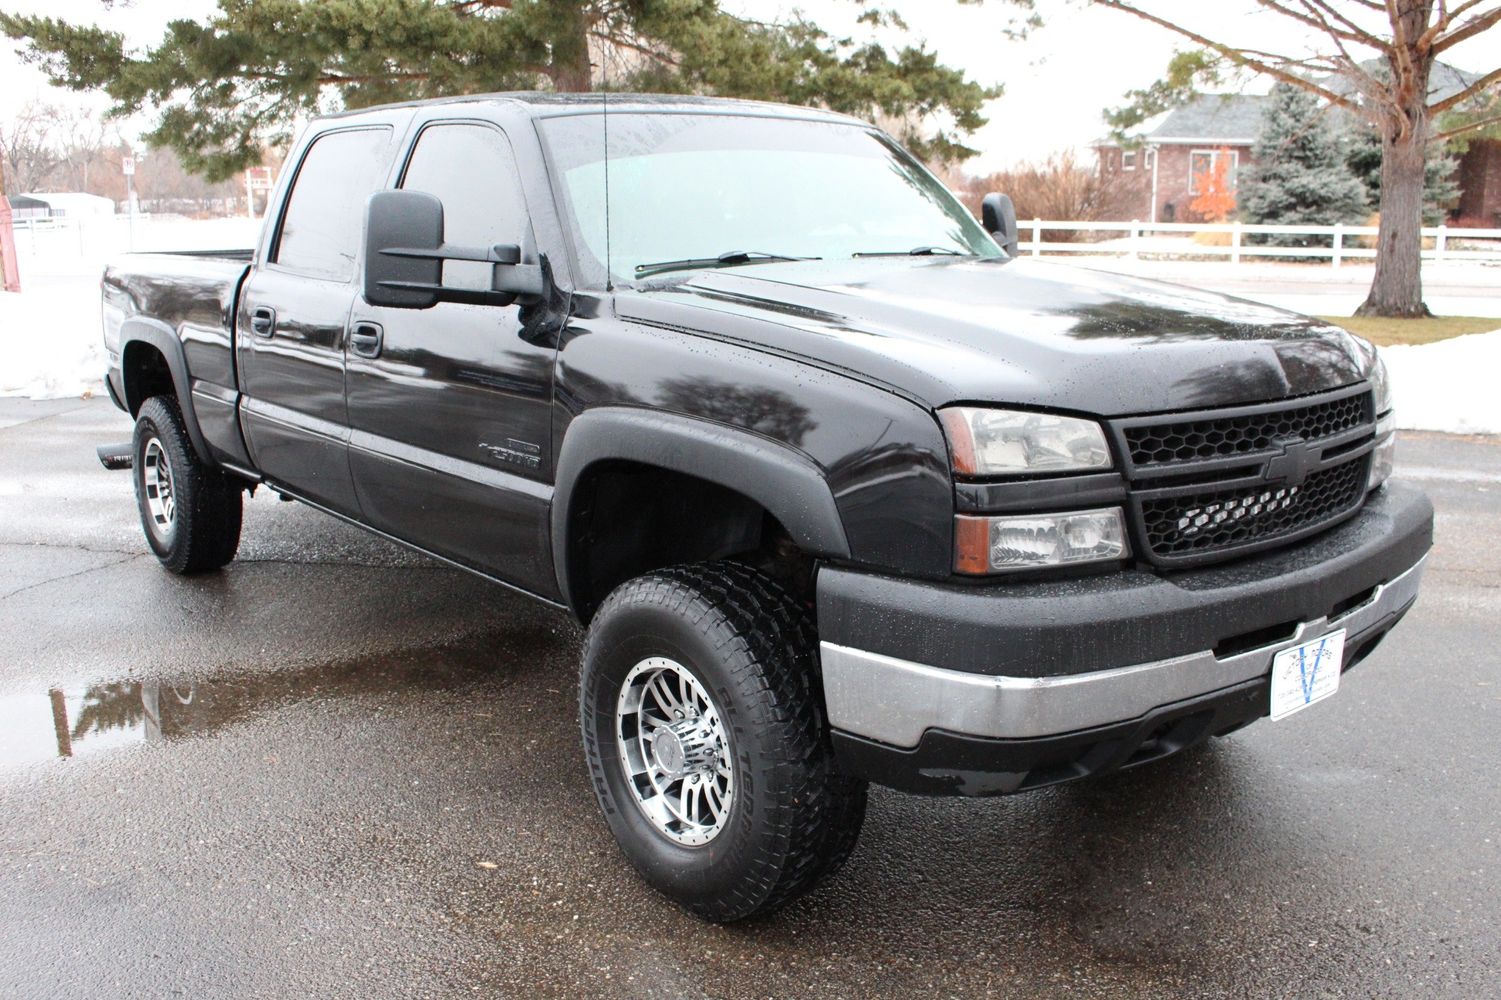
x=768 y=642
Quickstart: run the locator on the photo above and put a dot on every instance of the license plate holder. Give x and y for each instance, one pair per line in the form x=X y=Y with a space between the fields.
x=1306 y=673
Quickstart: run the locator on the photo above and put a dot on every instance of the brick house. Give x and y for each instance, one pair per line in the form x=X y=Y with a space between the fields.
x=1480 y=184
x=1156 y=180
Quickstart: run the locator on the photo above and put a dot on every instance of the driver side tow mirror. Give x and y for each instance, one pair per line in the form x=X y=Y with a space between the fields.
x=404 y=255
x=998 y=216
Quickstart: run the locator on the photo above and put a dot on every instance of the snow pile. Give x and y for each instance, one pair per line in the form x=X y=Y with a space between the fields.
x=1448 y=386
x=51 y=344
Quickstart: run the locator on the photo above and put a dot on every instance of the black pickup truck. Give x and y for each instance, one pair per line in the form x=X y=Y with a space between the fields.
x=842 y=489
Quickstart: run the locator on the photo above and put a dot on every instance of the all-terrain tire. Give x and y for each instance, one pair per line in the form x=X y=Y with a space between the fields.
x=793 y=819
x=190 y=511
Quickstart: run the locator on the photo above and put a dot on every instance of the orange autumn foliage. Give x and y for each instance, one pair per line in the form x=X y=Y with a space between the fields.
x=1216 y=199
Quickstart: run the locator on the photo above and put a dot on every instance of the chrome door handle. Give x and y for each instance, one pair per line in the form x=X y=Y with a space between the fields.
x=365 y=339
x=263 y=322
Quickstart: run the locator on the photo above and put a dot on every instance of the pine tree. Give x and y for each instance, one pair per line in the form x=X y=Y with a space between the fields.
x=1299 y=177
x=224 y=87
x=1440 y=173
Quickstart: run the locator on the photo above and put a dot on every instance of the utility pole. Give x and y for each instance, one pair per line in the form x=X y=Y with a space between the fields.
x=10 y=272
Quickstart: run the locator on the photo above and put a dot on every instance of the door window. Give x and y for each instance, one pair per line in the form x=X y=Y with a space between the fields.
x=471 y=169
x=325 y=216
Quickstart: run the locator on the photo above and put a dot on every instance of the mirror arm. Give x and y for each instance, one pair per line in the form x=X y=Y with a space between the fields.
x=522 y=280
x=499 y=254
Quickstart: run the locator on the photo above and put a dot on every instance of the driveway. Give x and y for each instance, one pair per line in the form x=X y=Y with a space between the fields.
x=338 y=769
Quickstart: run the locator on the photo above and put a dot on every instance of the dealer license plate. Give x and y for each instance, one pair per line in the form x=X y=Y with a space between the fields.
x=1306 y=673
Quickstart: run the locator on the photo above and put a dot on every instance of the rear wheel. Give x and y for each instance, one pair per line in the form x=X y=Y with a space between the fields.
x=703 y=726
x=190 y=511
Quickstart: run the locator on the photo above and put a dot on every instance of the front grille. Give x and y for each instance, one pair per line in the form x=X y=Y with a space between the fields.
x=1206 y=522
x=1216 y=484
x=1218 y=437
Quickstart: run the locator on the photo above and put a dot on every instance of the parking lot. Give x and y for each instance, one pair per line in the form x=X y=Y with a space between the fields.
x=339 y=769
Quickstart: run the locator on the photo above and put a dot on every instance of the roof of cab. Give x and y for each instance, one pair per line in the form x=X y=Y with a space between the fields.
x=539 y=103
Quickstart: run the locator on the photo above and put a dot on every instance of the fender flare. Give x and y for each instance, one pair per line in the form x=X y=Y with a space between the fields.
x=783 y=480
x=144 y=330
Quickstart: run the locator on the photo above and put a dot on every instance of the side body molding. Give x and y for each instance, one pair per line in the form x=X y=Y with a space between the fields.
x=784 y=481
x=144 y=330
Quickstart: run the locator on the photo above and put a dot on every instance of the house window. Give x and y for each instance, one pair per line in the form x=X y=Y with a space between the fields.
x=1203 y=162
x=1128 y=159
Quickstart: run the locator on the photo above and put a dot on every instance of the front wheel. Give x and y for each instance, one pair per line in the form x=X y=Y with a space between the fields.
x=190 y=510
x=703 y=725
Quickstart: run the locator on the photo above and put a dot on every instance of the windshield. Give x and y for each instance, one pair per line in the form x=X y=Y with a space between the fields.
x=724 y=190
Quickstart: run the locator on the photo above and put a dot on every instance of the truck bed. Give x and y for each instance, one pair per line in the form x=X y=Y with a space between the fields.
x=187 y=299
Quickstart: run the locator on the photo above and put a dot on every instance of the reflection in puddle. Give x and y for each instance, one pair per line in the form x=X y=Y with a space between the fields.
x=60 y=723
x=104 y=716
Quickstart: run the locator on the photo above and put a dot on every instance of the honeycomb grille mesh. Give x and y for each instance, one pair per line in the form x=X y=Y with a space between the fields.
x=1206 y=522
x=1221 y=437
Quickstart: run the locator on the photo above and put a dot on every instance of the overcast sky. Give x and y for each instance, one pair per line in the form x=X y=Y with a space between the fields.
x=1057 y=81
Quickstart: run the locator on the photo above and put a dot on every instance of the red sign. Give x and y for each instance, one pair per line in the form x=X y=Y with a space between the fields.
x=10 y=275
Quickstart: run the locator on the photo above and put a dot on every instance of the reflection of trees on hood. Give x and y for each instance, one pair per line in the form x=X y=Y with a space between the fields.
x=1230 y=381
x=116 y=705
x=767 y=411
x=1187 y=321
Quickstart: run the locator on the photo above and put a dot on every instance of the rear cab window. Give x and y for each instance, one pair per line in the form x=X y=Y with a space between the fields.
x=322 y=225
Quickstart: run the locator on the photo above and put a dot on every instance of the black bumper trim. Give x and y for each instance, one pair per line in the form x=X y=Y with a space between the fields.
x=1070 y=626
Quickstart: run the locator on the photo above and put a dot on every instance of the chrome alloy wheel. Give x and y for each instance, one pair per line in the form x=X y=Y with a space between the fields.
x=675 y=752
x=156 y=480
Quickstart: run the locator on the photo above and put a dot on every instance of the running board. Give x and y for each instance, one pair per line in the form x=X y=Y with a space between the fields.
x=116 y=456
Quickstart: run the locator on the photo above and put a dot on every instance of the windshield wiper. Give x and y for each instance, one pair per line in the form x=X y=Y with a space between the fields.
x=914 y=252
x=729 y=258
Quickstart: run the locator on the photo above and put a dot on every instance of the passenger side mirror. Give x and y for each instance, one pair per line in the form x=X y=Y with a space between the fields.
x=998 y=216
x=404 y=255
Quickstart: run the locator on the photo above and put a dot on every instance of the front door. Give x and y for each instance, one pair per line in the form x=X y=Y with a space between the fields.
x=449 y=407
x=293 y=314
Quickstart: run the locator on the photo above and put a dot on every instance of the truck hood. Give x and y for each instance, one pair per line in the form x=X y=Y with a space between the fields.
x=1020 y=332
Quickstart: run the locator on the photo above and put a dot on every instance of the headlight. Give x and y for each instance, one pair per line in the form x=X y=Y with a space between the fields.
x=1383 y=455
x=1034 y=541
x=986 y=442
x=1381 y=386
x=1386 y=426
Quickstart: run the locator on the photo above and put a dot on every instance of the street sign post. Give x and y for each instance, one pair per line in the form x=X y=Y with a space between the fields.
x=128 y=168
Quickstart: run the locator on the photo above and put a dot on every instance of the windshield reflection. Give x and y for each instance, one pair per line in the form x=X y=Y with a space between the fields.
x=698 y=187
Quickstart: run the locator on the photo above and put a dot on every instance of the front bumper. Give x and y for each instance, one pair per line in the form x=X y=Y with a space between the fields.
x=1030 y=684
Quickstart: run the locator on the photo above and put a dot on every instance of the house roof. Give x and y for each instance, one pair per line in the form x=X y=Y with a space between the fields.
x=1222 y=119
x=1235 y=119
x=1444 y=81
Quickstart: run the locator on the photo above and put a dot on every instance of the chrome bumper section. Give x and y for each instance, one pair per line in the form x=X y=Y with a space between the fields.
x=895 y=701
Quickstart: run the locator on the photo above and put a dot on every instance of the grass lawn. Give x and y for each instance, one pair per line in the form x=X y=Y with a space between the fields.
x=1386 y=332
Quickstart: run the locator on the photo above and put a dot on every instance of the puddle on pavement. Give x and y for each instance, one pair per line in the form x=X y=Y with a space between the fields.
x=62 y=723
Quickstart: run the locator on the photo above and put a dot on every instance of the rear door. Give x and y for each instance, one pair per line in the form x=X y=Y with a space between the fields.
x=294 y=313
x=450 y=407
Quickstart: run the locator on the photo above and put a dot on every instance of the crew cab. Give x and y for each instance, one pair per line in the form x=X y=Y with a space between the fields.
x=841 y=488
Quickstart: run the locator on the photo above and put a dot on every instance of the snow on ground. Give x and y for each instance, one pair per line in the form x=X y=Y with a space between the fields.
x=1448 y=386
x=50 y=341
x=50 y=336
x=50 y=344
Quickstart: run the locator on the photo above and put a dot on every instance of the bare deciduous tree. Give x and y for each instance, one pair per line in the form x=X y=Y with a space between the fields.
x=1407 y=37
x=26 y=143
x=85 y=139
x=1057 y=188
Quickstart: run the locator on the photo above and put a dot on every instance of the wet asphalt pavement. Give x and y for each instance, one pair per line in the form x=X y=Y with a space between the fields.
x=337 y=769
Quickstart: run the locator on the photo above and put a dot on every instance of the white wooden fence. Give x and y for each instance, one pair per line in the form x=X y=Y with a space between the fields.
x=1138 y=239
